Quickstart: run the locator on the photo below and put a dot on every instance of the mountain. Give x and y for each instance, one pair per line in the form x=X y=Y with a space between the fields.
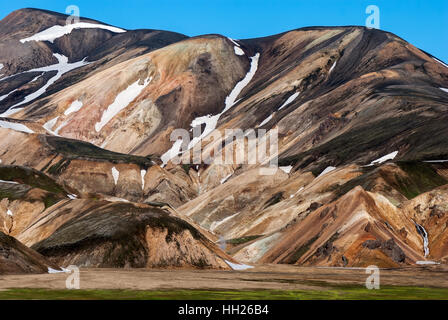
x=16 y=258
x=87 y=167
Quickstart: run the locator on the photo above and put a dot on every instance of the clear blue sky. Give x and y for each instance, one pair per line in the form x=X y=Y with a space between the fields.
x=423 y=23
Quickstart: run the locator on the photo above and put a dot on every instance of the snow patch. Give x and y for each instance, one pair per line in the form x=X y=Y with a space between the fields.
x=238 y=267
x=57 y=31
x=173 y=152
x=238 y=51
x=74 y=107
x=9 y=213
x=63 y=270
x=440 y=62
x=289 y=100
x=72 y=196
x=332 y=67
x=444 y=89
x=122 y=100
x=15 y=126
x=37 y=77
x=297 y=192
x=115 y=174
x=211 y=121
x=10 y=182
x=426 y=262
x=327 y=170
x=234 y=42
x=142 y=174
x=216 y=224
x=223 y=180
x=265 y=121
x=61 y=67
x=286 y=169
x=6 y=95
x=390 y=156
x=436 y=161
x=50 y=124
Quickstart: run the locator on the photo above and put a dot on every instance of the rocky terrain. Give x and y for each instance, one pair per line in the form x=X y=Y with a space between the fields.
x=87 y=170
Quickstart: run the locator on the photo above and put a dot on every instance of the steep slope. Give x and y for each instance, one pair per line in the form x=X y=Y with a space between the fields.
x=31 y=40
x=361 y=116
x=15 y=258
x=430 y=211
x=101 y=234
x=357 y=230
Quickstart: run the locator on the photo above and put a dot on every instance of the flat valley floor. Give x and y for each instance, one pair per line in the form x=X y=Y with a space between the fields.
x=262 y=282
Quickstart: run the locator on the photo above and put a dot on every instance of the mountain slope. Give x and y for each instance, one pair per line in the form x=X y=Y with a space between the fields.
x=361 y=116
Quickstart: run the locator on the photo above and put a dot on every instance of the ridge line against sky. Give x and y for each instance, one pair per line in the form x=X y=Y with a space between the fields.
x=422 y=23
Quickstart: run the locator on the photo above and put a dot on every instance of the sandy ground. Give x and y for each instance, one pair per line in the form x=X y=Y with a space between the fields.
x=274 y=277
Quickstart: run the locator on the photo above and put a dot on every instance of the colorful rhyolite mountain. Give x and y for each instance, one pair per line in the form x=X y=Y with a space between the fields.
x=86 y=113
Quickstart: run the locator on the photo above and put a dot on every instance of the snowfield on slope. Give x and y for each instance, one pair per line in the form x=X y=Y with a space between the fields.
x=289 y=100
x=115 y=174
x=55 y=32
x=212 y=121
x=390 y=156
x=15 y=126
x=122 y=100
x=74 y=107
x=61 y=67
x=238 y=267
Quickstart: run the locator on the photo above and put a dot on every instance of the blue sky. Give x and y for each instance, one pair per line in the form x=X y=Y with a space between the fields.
x=423 y=23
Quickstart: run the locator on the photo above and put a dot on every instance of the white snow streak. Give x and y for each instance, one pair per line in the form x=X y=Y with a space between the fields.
x=436 y=161
x=37 y=77
x=444 y=89
x=216 y=224
x=57 y=31
x=15 y=126
x=115 y=174
x=289 y=100
x=11 y=182
x=426 y=262
x=51 y=270
x=61 y=67
x=223 y=180
x=74 y=107
x=171 y=153
x=238 y=266
x=327 y=170
x=390 y=156
x=50 y=124
x=6 y=95
x=9 y=213
x=211 y=121
x=332 y=67
x=122 y=100
x=440 y=62
x=238 y=51
x=265 y=121
x=286 y=169
x=142 y=174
